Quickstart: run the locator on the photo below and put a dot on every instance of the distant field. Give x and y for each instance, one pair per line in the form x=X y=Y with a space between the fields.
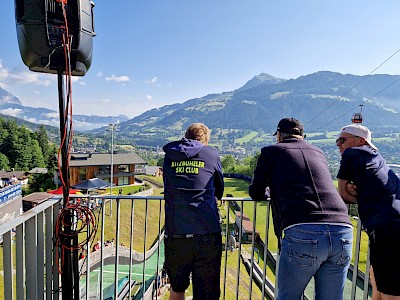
x=246 y=138
x=329 y=137
x=126 y=147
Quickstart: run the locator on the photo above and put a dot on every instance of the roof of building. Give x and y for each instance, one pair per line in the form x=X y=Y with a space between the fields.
x=38 y=171
x=150 y=170
x=38 y=197
x=8 y=174
x=104 y=159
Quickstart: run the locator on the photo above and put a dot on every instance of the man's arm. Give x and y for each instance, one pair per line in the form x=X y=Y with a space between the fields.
x=219 y=180
x=258 y=187
x=346 y=196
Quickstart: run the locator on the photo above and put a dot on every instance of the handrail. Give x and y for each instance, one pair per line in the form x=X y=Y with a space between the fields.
x=34 y=253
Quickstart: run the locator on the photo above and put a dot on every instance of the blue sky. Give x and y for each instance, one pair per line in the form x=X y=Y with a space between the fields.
x=150 y=53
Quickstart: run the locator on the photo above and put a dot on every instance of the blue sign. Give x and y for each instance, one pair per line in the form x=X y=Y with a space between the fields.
x=10 y=192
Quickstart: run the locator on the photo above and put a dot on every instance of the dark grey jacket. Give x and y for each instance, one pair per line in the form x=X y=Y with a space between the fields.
x=301 y=187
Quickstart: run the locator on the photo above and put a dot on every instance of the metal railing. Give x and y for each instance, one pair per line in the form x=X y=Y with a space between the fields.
x=131 y=252
x=29 y=267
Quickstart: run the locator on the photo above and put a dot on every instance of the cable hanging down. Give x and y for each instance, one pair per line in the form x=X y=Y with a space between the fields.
x=75 y=218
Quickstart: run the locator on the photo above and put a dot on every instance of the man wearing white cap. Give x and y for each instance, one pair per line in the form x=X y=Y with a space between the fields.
x=365 y=178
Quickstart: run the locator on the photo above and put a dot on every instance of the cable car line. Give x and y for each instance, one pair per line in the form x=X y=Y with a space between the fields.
x=362 y=79
x=385 y=88
x=338 y=118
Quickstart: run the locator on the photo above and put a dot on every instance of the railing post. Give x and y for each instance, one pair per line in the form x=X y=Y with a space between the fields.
x=117 y=229
x=226 y=247
x=252 y=247
x=7 y=265
x=49 y=253
x=131 y=246
x=31 y=264
x=366 y=278
x=240 y=248
x=266 y=249
x=356 y=260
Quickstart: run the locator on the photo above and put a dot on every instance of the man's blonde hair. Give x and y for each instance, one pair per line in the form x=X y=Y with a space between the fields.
x=198 y=132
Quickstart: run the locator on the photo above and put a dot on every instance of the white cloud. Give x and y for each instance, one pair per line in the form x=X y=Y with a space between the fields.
x=3 y=75
x=78 y=80
x=89 y=106
x=51 y=115
x=99 y=74
x=52 y=122
x=14 y=112
x=26 y=77
x=23 y=77
x=90 y=102
x=3 y=71
x=152 y=81
x=149 y=97
x=36 y=92
x=115 y=78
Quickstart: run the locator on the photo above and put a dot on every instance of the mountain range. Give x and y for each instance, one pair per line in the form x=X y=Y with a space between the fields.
x=324 y=101
x=10 y=105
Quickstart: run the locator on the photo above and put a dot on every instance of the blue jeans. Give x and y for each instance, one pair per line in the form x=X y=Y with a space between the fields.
x=321 y=251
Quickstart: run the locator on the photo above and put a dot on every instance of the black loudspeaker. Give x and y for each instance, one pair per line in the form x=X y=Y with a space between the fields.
x=40 y=29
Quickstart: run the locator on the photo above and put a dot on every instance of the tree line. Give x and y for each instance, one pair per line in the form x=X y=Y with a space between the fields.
x=22 y=149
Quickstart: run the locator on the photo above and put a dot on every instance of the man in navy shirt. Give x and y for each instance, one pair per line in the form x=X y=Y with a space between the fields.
x=193 y=181
x=310 y=218
x=365 y=178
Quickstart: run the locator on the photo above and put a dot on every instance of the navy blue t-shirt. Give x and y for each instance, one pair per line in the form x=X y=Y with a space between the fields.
x=378 y=187
x=192 y=174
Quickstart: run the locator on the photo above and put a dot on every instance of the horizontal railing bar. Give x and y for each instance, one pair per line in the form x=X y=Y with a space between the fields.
x=137 y=197
x=9 y=225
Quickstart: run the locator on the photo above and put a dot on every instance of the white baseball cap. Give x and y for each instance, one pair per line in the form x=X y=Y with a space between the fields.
x=360 y=131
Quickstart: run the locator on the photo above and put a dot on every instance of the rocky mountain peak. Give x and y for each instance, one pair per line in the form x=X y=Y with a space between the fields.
x=260 y=79
x=6 y=97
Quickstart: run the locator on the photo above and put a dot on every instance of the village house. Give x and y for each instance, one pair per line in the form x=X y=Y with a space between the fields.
x=98 y=165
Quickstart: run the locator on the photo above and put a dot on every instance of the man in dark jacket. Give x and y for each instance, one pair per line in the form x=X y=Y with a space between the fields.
x=193 y=181
x=310 y=218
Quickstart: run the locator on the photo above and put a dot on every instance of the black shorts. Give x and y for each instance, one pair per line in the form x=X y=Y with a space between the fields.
x=385 y=258
x=199 y=255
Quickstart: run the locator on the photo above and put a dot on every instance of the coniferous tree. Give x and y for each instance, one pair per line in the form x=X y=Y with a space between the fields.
x=42 y=137
x=4 y=162
x=21 y=149
x=37 y=155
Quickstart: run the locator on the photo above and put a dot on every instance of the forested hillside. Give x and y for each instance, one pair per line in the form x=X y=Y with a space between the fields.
x=22 y=149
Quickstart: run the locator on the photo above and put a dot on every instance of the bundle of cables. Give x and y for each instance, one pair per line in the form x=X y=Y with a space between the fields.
x=76 y=226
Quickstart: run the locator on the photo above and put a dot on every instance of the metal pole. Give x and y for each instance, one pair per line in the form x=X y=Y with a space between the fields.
x=67 y=276
x=112 y=157
x=112 y=126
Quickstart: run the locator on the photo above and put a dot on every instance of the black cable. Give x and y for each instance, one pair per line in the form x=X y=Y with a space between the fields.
x=362 y=79
x=385 y=88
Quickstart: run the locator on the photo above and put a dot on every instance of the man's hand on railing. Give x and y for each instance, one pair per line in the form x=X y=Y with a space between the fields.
x=351 y=188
